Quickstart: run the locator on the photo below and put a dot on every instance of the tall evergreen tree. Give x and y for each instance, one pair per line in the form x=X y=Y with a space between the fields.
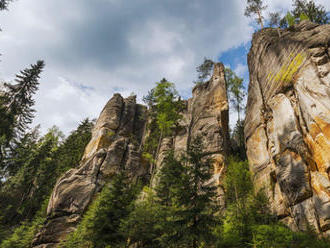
x=100 y=226
x=16 y=111
x=189 y=201
x=20 y=96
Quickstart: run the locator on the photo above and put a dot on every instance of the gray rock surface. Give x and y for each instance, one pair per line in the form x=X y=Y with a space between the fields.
x=287 y=127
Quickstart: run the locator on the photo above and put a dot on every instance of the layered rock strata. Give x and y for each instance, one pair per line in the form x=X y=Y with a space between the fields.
x=115 y=146
x=287 y=127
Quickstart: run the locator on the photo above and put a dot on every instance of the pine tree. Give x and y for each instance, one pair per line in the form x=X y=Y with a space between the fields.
x=236 y=90
x=189 y=201
x=204 y=71
x=16 y=111
x=20 y=96
x=255 y=7
x=101 y=223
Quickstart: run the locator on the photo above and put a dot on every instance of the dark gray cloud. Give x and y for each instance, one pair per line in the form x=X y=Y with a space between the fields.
x=94 y=48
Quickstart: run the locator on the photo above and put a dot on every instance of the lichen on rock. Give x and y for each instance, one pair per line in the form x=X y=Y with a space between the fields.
x=287 y=122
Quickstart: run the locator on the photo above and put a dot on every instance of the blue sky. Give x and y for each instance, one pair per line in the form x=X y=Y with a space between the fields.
x=93 y=49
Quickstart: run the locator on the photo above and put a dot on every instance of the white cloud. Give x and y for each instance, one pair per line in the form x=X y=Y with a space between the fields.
x=112 y=45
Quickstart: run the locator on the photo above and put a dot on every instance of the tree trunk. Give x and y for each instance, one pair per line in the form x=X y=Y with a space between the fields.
x=260 y=19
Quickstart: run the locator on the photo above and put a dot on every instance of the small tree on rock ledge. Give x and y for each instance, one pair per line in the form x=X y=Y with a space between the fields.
x=255 y=7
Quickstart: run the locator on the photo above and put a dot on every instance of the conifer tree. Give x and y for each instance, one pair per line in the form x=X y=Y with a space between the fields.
x=16 y=111
x=20 y=96
x=308 y=9
x=255 y=7
x=204 y=71
x=101 y=223
x=189 y=200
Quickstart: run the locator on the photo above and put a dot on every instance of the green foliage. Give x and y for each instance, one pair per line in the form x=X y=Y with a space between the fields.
x=274 y=19
x=204 y=71
x=290 y=19
x=237 y=140
x=23 y=235
x=165 y=107
x=255 y=7
x=303 y=17
x=305 y=10
x=16 y=111
x=309 y=10
x=101 y=223
x=143 y=226
x=235 y=89
x=33 y=169
x=245 y=209
x=20 y=96
x=187 y=198
x=4 y=4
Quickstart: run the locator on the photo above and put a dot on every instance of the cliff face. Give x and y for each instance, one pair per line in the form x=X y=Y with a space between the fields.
x=287 y=128
x=117 y=144
x=205 y=115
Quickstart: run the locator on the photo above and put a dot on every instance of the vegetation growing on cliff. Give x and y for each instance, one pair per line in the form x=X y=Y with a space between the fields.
x=165 y=106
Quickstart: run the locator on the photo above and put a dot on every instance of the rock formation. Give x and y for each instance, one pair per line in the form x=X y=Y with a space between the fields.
x=205 y=115
x=116 y=145
x=287 y=128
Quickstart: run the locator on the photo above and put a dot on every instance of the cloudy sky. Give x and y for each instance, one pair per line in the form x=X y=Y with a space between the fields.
x=93 y=49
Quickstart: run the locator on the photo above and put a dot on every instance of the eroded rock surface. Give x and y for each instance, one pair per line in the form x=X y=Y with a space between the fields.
x=287 y=127
x=205 y=115
x=114 y=147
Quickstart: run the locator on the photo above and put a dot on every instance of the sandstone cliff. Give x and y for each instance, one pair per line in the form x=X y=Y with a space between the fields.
x=205 y=115
x=287 y=128
x=117 y=145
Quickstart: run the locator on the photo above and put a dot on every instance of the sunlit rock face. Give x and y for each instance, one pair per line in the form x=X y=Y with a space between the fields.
x=287 y=127
x=206 y=116
x=114 y=147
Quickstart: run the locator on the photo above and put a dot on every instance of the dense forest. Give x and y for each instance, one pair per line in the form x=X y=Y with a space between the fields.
x=181 y=210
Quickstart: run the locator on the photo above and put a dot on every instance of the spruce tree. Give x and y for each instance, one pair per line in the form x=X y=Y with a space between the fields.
x=100 y=226
x=20 y=96
x=16 y=110
x=189 y=200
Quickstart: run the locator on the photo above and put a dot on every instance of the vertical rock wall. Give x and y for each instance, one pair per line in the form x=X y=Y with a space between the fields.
x=287 y=127
x=206 y=115
x=115 y=146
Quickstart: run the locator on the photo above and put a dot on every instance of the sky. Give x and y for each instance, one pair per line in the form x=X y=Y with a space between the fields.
x=93 y=49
